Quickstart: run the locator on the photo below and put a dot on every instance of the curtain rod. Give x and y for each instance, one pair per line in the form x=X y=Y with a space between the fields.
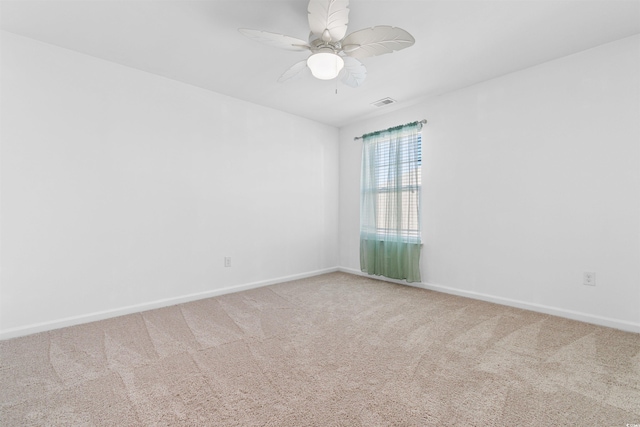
x=360 y=137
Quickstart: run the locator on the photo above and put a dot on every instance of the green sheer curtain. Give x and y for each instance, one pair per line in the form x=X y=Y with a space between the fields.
x=390 y=240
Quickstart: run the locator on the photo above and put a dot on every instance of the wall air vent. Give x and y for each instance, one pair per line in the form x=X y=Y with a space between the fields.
x=384 y=101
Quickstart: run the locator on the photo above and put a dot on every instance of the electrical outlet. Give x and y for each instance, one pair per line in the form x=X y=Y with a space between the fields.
x=227 y=261
x=589 y=278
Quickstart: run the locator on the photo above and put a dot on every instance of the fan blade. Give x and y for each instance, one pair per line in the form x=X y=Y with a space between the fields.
x=353 y=73
x=276 y=40
x=376 y=41
x=295 y=71
x=329 y=15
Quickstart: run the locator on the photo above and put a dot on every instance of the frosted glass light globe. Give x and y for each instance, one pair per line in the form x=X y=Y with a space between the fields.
x=325 y=65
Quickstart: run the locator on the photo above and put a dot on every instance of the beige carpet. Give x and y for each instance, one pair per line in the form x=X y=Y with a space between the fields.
x=331 y=350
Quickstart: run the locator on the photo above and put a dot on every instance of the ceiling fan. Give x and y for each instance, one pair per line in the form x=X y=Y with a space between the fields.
x=333 y=54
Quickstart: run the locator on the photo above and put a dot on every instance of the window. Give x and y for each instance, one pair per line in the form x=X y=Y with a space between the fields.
x=397 y=188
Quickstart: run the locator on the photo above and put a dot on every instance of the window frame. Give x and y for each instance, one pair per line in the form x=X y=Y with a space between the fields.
x=412 y=231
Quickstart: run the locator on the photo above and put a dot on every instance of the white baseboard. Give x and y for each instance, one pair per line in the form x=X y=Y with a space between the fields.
x=106 y=314
x=555 y=311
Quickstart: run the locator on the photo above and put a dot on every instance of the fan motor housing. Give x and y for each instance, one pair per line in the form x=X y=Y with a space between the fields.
x=317 y=44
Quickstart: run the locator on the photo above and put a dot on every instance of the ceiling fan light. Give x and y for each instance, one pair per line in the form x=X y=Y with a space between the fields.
x=325 y=65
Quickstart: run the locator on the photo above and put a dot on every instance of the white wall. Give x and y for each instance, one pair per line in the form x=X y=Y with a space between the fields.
x=529 y=180
x=122 y=190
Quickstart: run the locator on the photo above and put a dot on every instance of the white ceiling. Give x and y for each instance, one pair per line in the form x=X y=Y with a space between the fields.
x=458 y=43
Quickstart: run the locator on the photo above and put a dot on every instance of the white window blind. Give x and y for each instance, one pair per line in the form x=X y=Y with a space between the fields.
x=396 y=188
